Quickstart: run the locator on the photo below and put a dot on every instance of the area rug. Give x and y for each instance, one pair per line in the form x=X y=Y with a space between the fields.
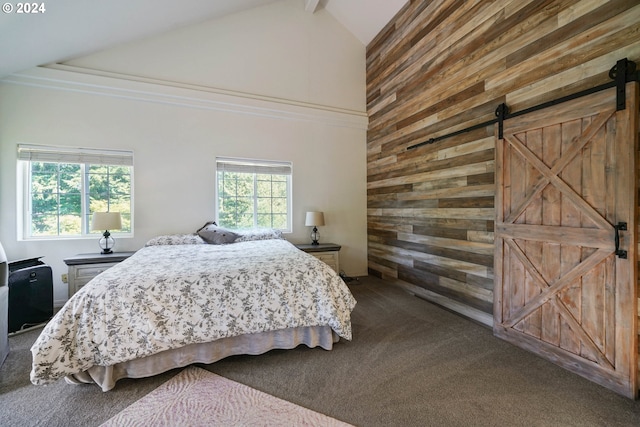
x=197 y=397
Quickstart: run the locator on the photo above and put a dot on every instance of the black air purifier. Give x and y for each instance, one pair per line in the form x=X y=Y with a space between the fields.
x=30 y=294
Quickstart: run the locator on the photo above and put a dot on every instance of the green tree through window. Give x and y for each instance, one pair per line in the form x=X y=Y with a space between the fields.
x=60 y=196
x=56 y=196
x=253 y=193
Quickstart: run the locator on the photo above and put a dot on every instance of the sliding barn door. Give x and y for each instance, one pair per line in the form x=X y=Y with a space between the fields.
x=565 y=232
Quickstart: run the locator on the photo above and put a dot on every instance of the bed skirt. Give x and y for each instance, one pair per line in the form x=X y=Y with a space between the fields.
x=252 y=344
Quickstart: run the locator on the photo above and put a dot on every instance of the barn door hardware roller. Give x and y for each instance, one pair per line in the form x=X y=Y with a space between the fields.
x=623 y=72
x=502 y=113
x=621 y=226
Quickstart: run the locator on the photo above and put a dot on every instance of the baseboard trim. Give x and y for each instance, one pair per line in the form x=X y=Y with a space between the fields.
x=27 y=329
x=459 y=308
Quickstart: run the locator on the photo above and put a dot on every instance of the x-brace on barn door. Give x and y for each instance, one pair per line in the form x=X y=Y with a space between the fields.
x=565 y=233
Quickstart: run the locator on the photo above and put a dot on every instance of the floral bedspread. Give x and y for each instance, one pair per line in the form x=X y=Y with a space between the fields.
x=169 y=296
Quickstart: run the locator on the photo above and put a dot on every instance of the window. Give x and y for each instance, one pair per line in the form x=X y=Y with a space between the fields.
x=253 y=193
x=63 y=186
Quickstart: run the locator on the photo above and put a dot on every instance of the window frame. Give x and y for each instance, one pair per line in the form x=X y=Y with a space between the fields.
x=85 y=157
x=256 y=166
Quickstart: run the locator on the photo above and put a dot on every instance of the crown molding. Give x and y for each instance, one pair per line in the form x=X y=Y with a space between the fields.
x=100 y=83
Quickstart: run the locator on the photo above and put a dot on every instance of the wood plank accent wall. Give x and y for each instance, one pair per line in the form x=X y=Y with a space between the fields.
x=441 y=66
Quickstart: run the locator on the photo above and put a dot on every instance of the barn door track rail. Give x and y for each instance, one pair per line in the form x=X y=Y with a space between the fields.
x=623 y=72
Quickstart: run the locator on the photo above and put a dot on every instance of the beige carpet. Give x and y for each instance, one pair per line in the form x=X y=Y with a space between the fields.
x=196 y=397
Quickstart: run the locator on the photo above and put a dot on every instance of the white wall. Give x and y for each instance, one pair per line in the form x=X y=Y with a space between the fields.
x=277 y=50
x=307 y=108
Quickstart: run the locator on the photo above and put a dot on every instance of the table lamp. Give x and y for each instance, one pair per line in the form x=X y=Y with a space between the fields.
x=106 y=221
x=314 y=219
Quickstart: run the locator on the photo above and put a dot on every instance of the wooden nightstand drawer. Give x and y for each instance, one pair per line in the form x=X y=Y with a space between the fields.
x=90 y=271
x=329 y=253
x=329 y=258
x=84 y=267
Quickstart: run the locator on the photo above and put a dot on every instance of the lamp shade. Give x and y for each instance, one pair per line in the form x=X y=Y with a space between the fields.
x=106 y=221
x=314 y=219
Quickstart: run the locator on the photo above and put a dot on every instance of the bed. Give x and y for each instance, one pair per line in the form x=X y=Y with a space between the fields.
x=179 y=301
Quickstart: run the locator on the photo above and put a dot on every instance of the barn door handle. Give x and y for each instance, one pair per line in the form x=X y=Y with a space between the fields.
x=619 y=252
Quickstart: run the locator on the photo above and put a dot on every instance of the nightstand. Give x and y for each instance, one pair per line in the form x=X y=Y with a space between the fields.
x=84 y=267
x=326 y=252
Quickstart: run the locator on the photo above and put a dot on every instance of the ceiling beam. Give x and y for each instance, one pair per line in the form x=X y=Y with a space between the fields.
x=311 y=5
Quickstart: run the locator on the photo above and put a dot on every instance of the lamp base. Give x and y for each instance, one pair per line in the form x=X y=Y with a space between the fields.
x=315 y=235
x=106 y=243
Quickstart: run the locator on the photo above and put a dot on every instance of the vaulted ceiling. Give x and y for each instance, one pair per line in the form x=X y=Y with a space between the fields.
x=69 y=29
